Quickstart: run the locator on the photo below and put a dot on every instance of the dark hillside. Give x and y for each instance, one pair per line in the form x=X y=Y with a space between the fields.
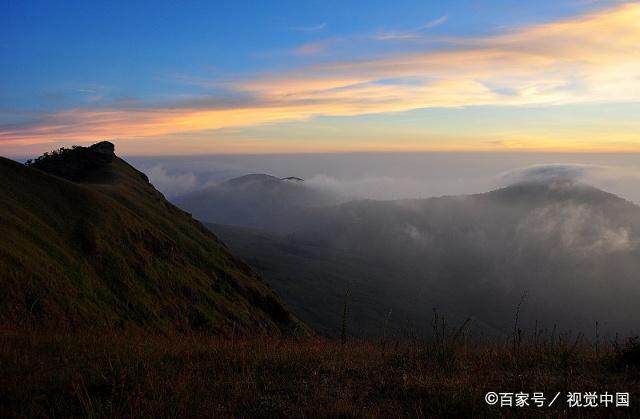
x=87 y=240
x=573 y=249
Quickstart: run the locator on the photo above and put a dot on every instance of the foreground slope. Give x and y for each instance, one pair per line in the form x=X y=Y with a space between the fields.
x=204 y=377
x=87 y=240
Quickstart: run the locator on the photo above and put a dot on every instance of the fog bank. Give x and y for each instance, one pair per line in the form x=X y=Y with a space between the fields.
x=399 y=175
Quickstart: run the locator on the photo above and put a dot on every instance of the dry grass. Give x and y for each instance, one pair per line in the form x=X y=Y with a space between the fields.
x=133 y=374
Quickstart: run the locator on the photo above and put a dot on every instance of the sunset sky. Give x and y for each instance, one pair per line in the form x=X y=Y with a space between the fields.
x=186 y=77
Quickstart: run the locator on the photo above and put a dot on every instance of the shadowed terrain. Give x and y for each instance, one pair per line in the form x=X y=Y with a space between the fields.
x=569 y=249
x=137 y=374
x=88 y=242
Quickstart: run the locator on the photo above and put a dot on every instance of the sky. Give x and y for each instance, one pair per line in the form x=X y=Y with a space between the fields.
x=233 y=77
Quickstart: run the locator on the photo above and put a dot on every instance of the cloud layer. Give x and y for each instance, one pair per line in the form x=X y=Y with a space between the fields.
x=592 y=58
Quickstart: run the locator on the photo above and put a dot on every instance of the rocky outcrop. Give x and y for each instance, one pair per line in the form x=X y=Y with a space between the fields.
x=78 y=164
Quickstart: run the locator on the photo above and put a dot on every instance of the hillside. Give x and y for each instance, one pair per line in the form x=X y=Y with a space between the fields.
x=88 y=241
x=569 y=249
x=314 y=281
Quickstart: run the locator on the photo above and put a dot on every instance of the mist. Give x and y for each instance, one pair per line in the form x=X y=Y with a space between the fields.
x=398 y=175
x=469 y=234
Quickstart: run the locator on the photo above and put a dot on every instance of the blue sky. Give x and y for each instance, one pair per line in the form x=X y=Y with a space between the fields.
x=72 y=70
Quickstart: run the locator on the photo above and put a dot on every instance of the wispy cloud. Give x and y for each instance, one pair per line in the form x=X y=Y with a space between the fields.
x=412 y=34
x=313 y=48
x=311 y=28
x=586 y=59
x=435 y=22
x=591 y=58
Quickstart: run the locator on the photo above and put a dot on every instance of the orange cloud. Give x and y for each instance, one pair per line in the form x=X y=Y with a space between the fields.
x=587 y=59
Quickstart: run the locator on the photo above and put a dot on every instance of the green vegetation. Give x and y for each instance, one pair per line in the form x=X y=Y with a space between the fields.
x=88 y=242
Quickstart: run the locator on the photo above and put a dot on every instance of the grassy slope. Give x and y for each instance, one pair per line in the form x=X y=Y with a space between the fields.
x=112 y=250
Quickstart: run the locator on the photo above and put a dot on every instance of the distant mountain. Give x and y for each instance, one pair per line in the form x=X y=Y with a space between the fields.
x=257 y=200
x=570 y=249
x=87 y=241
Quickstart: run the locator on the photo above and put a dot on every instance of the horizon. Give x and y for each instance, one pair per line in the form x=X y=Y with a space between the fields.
x=19 y=157
x=224 y=78
x=395 y=175
x=382 y=175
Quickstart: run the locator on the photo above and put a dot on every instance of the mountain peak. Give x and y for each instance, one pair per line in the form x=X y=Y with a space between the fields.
x=558 y=190
x=251 y=179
